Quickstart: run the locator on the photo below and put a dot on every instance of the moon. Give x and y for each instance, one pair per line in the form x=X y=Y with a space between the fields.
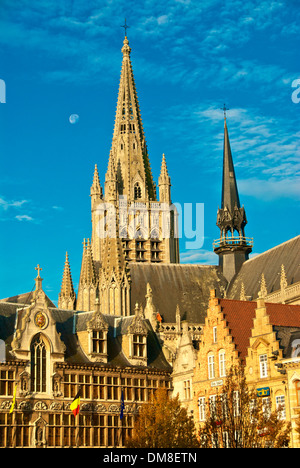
x=73 y=119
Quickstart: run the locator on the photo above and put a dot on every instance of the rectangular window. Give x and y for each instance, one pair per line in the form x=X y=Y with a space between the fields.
x=263 y=364
x=69 y=430
x=152 y=386
x=70 y=385
x=224 y=405
x=214 y=334
x=211 y=366
x=54 y=430
x=201 y=404
x=98 y=341
x=98 y=423
x=236 y=403
x=98 y=387
x=6 y=382
x=139 y=345
x=280 y=406
x=213 y=405
x=139 y=389
x=253 y=410
x=222 y=364
x=84 y=381
x=112 y=430
x=266 y=406
x=187 y=389
x=112 y=388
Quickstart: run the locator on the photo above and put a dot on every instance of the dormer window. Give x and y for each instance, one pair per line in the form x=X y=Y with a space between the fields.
x=139 y=345
x=98 y=342
x=97 y=329
x=137 y=337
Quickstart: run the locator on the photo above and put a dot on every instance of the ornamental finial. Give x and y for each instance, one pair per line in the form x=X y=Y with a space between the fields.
x=125 y=26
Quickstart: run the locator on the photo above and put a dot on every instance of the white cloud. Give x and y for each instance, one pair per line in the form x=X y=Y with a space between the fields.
x=24 y=218
x=206 y=257
x=270 y=189
x=11 y=204
x=266 y=150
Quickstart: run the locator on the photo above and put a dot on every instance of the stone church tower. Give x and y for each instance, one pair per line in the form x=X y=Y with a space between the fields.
x=129 y=222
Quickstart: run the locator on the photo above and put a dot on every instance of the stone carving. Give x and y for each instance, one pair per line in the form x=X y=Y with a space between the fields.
x=40 y=405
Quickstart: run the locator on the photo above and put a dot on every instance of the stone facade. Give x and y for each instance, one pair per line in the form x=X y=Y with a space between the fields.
x=50 y=354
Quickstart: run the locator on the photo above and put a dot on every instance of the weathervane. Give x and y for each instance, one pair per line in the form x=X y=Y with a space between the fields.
x=125 y=26
x=224 y=109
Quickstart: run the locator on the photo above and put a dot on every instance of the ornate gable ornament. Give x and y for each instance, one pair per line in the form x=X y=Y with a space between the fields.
x=138 y=326
x=97 y=321
x=34 y=319
x=263 y=286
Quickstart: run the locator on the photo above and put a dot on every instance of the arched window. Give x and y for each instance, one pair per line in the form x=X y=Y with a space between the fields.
x=38 y=352
x=137 y=191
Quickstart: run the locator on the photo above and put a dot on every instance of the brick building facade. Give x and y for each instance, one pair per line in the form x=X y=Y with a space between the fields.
x=262 y=336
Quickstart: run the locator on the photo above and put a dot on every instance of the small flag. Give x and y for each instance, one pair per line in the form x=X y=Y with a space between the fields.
x=122 y=406
x=158 y=317
x=14 y=399
x=75 y=405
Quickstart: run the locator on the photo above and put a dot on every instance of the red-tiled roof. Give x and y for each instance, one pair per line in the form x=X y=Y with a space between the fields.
x=240 y=314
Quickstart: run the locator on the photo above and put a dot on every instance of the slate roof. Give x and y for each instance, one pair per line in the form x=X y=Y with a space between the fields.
x=172 y=284
x=117 y=327
x=269 y=263
x=69 y=322
x=239 y=315
x=7 y=320
x=25 y=299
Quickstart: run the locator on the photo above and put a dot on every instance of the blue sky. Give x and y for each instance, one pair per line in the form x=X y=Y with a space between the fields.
x=59 y=58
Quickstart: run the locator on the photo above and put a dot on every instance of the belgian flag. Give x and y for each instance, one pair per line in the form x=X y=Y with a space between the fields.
x=75 y=405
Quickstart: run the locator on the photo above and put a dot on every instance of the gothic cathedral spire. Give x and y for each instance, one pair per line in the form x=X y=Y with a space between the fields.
x=164 y=183
x=67 y=296
x=230 y=196
x=129 y=149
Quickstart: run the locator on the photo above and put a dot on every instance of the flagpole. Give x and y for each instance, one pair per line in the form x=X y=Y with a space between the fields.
x=121 y=415
x=12 y=412
x=75 y=407
x=13 y=442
